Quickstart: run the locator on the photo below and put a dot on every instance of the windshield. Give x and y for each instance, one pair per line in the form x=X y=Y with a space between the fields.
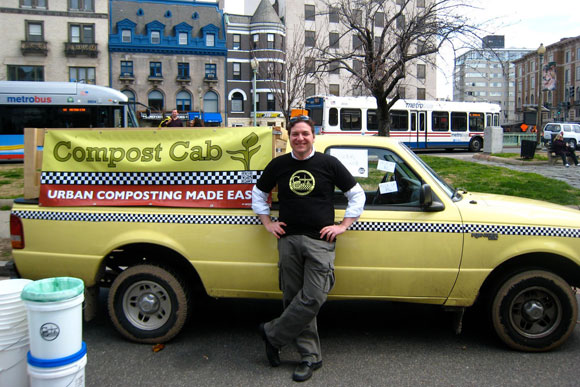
x=449 y=190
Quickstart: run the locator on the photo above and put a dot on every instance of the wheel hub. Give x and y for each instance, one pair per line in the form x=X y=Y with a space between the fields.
x=533 y=310
x=148 y=303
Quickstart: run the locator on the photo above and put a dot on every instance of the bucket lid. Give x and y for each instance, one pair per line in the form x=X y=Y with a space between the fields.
x=51 y=363
x=53 y=289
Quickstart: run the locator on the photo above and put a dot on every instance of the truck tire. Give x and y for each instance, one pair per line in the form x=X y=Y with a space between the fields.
x=148 y=304
x=475 y=144
x=534 y=311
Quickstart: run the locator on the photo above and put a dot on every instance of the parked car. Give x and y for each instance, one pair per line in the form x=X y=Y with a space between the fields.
x=571 y=132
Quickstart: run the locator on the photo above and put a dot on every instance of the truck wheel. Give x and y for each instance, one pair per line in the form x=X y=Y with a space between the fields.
x=475 y=144
x=148 y=304
x=534 y=311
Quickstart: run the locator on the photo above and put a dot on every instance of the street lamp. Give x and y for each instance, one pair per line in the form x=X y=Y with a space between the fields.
x=254 y=64
x=541 y=51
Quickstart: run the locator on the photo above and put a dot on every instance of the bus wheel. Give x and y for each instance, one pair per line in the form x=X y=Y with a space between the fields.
x=534 y=311
x=148 y=304
x=475 y=144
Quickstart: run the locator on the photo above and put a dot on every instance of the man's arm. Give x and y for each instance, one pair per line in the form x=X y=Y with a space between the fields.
x=261 y=208
x=356 y=202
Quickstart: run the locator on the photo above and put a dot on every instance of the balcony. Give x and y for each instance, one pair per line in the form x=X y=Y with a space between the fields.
x=155 y=80
x=33 y=48
x=183 y=80
x=127 y=78
x=81 y=49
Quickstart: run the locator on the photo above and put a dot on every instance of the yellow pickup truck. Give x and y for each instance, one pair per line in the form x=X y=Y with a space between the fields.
x=419 y=240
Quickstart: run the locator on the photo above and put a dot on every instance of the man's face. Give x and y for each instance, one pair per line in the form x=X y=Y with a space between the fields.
x=301 y=139
x=174 y=114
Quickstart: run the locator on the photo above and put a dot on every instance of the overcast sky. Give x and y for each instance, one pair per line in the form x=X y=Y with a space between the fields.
x=524 y=23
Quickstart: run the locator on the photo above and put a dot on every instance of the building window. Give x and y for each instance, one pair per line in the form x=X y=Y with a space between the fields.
x=420 y=3
x=34 y=31
x=82 y=33
x=210 y=40
x=130 y=95
x=183 y=38
x=271 y=41
x=333 y=68
x=401 y=92
x=183 y=101
x=310 y=65
x=237 y=103
x=380 y=19
x=33 y=4
x=26 y=73
x=309 y=90
x=421 y=93
x=334 y=39
x=155 y=100
x=126 y=68
x=126 y=36
x=237 y=71
x=401 y=22
x=333 y=15
x=567 y=56
x=210 y=71
x=82 y=74
x=155 y=37
x=271 y=103
x=309 y=38
x=421 y=70
x=334 y=90
x=155 y=70
x=183 y=70
x=210 y=102
x=81 y=5
x=255 y=40
x=309 y=12
x=356 y=42
x=237 y=42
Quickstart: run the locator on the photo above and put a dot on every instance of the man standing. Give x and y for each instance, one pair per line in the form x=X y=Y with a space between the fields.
x=306 y=235
x=172 y=121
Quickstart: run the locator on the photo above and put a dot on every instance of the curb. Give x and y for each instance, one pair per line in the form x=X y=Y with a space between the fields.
x=488 y=157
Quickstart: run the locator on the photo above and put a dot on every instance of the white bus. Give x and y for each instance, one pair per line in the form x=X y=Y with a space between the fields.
x=419 y=124
x=57 y=105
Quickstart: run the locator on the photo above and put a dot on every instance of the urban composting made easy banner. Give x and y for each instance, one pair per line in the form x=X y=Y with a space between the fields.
x=150 y=167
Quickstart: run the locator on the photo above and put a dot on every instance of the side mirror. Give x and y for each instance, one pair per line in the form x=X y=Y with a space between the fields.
x=427 y=202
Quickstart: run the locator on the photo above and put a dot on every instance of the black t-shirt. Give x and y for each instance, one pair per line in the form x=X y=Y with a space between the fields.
x=306 y=190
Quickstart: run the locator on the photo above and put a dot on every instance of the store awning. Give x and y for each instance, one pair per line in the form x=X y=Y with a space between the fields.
x=193 y=115
x=212 y=117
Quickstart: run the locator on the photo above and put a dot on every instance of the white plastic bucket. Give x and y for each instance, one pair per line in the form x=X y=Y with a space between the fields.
x=68 y=371
x=54 y=308
x=10 y=289
x=13 y=363
x=55 y=328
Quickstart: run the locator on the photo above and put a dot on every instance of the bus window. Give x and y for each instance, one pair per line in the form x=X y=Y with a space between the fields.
x=350 y=119
x=333 y=116
x=316 y=116
x=495 y=119
x=458 y=122
x=440 y=121
x=413 y=122
x=399 y=120
x=476 y=122
x=372 y=122
x=488 y=120
x=422 y=116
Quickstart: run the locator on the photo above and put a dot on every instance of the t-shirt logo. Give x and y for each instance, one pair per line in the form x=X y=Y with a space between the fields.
x=302 y=183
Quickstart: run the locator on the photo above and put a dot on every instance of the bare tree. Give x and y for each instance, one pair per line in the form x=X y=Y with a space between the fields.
x=287 y=81
x=387 y=37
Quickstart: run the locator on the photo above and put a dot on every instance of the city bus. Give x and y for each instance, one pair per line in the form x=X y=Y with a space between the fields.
x=419 y=124
x=57 y=105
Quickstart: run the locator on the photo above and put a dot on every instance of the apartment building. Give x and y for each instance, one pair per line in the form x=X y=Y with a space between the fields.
x=559 y=80
x=488 y=75
x=170 y=55
x=255 y=47
x=54 y=40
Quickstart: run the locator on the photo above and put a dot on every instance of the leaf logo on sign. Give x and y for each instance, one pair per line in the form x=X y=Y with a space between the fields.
x=249 y=141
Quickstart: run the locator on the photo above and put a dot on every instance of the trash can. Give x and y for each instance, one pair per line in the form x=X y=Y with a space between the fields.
x=54 y=308
x=528 y=149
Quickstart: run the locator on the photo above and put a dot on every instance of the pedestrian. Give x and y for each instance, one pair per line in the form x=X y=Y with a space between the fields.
x=306 y=235
x=172 y=121
x=562 y=149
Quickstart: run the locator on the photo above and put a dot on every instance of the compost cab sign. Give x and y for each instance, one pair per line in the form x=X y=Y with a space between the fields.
x=171 y=168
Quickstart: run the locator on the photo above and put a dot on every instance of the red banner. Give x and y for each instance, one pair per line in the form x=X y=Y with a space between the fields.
x=233 y=195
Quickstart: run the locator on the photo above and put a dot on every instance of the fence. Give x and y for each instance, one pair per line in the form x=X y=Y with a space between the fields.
x=515 y=139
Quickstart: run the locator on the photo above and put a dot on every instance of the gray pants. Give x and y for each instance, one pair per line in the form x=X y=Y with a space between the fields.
x=306 y=271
